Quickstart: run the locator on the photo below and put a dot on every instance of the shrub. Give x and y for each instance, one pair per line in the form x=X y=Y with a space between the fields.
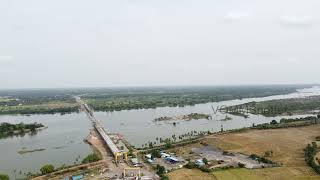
x=204 y=169
x=168 y=144
x=190 y=165
x=273 y=122
x=268 y=154
x=260 y=159
x=241 y=165
x=4 y=177
x=310 y=152
x=163 y=177
x=155 y=153
x=205 y=160
x=160 y=170
x=91 y=158
x=46 y=169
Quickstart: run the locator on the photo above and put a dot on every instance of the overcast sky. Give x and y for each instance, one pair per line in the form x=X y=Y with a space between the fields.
x=94 y=43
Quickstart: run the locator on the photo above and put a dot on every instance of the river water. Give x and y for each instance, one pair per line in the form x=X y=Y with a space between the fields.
x=63 y=139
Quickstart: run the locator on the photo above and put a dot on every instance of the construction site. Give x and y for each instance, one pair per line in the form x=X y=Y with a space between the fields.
x=113 y=150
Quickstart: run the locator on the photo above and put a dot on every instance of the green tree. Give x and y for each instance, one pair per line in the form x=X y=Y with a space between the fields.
x=161 y=170
x=156 y=153
x=273 y=122
x=91 y=158
x=4 y=177
x=205 y=160
x=168 y=144
x=46 y=169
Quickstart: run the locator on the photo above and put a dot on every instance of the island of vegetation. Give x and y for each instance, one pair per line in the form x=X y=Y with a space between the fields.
x=25 y=151
x=7 y=129
x=192 y=116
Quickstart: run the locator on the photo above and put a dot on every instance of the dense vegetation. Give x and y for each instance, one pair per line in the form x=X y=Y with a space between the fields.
x=278 y=107
x=91 y=158
x=172 y=97
x=285 y=123
x=31 y=103
x=192 y=116
x=161 y=170
x=310 y=152
x=43 y=109
x=7 y=129
x=49 y=101
x=4 y=177
x=260 y=159
x=46 y=169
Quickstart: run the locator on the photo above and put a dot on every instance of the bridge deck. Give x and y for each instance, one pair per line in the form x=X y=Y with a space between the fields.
x=106 y=138
x=98 y=126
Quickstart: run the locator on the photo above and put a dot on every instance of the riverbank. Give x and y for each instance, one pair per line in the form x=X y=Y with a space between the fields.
x=88 y=170
x=283 y=124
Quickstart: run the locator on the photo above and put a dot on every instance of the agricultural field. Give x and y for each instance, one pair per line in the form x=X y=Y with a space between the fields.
x=190 y=174
x=286 y=144
x=36 y=102
x=50 y=107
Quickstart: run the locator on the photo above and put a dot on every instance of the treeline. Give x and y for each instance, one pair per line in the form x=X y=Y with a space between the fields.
x=286 y=123
x=178 y=97
x=261 y=159
x=308 y=118
x=7 y=129
x=277 y=107
x=310 y=152
x=37 y=110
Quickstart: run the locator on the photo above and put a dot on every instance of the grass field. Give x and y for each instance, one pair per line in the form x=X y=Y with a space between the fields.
x=287 y=146
x=190 y=174
x=263 y=174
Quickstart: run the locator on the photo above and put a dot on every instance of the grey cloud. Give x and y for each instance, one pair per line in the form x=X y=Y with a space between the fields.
x=157 y=42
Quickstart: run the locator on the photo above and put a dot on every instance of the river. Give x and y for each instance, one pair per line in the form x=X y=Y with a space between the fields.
x=63 y=139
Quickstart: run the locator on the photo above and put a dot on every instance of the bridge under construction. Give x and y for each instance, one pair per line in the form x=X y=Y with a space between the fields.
x=117 y=153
